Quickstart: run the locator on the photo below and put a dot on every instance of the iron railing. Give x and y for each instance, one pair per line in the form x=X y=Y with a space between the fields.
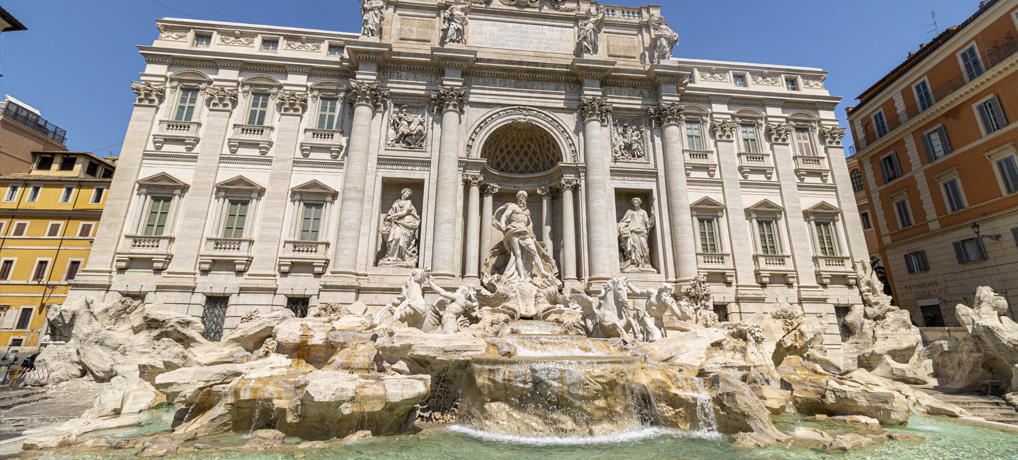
x=995 y=54
x=32 y=120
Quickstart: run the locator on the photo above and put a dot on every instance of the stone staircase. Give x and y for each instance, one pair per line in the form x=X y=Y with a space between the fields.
x=990 y=408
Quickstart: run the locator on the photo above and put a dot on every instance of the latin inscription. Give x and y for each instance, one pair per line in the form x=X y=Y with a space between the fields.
x=567 y=88
x=524 y=37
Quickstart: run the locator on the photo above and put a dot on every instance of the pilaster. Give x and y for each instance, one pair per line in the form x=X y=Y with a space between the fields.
x=669 y=116
x=449 y=101
x=602 y=246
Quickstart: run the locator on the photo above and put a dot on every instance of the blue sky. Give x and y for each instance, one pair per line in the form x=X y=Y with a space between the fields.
x=77 y=58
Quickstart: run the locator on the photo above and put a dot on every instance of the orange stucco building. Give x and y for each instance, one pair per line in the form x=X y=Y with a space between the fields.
x=23 y=130
x=935 y=161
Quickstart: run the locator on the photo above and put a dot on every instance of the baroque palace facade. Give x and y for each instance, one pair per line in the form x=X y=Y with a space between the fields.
x=267 y=166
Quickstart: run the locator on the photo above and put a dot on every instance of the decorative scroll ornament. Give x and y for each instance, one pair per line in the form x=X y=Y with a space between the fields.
x=814 y=83
x=292 y=102
x=372 y=15
x=833 y=136
x=664 y=40
x=367 y=93
x=780 y=133
x=765 y=79
x=148 y=93
x=448 y=98
x=590 y=28
x=171 y=34
x=303 y=44
x=407 y=129
x=724 y=130
x=454 y=23
x=237 y=39
x=490 y=189
x=712 y=74
x=667 y=113
x=595 y=107
x=221 y=98
x=629 y=142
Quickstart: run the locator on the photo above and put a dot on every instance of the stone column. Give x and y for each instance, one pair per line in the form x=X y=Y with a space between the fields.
x=568 y=229
x=96 y=273
x=449 y=100
x=545 y=193
x=602 y=247
x=191 y=233
x=679 y=216
x=473 y=182
x=365 y=98
x=486 y=213
x=269 y=234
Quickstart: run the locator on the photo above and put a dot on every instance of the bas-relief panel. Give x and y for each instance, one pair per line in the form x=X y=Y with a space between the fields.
x=519 y=36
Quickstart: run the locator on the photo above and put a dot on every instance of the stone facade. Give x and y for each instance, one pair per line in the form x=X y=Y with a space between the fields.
x=739 y=166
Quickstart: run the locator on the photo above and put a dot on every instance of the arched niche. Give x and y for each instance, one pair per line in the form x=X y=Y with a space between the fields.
x=539 y=119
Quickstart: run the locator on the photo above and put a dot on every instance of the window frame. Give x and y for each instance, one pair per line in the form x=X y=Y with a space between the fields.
x=962 y=254
x=190 y=107
x=830 y=239
x=64 y=160
x=977 y=108
x=331 y=46
x=49 y=158
x=14 y=263
x=147 y=215
x=897 y=167
x=949 y=198
x=918 y=96
x=81 y=226
x=928 y=147
x=21 y=314
x=44 y=263
x=698 y=135
x=861 y=182
x=773 y=221
x=713 y=237
x=865 y=220
x=753 y=147
x=334 y=114
x=902 y=198
x=12 y=193
x=916 y=262
x=739 y=75
x=979 y=60
x=14 y=228
x=67 y=269
x=997 y=155
x=793 y=84
x=879 y=123
x=245 y=226
x=70 y=195
x=259 y=114
x=303 y=216
x=267 y=39
x=809 y=141
x=32 y=188
x=102 y=195
x=60 y=229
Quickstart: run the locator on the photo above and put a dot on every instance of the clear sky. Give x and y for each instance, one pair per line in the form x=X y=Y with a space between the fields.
x=77 y=58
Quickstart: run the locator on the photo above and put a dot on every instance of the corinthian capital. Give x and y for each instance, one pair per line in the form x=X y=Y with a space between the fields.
x=570 y=183
x=292 y=103
x=599 y=107
x=448 y=98
x=667 y=113
x=724 y=130
x=371 y=94
x=780 y=133
x=148 y=93
x=472 y=179
x=833 y=136
x=220 y=98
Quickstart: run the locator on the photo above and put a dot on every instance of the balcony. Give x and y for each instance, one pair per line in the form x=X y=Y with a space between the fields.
x=770 y=266
x=157 y=249
x=756 y=163
x=30 y=119
x=720 y=263
x=230 y=250
x=701 y=159
x=806 y=165
x=315 y=253
x=829 y=266
x=257 y=135
x=185 y=132
x=330 y=139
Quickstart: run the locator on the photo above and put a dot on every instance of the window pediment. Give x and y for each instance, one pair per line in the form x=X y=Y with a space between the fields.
x=823 y=207
x=766 y=206
x=707 y=203
x=163 y=181
x=239 y=184
x=314 y=187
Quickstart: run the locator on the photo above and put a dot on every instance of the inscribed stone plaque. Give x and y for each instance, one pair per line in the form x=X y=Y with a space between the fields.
x=518 y=36
x=418 y=30
x=623 y=47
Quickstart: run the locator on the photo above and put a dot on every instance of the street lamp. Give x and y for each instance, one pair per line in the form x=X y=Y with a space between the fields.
x=975 y=228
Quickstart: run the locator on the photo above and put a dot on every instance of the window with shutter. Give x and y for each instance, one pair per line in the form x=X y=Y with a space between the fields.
x=991 y=114
x=936 y=144
x=803 y=143
x=708 y=236
x=825 y=239
x=40 y=270
x=6 y=267
x=970 y=61
x=889 y=167
x=85 y=230
x=72 y=269
x=904 y=215
x=1009 y=173
x=881 y=124
x=768 y=240
x=236 y=218
x=54 y=229
x=970 y=250
x=952 y=191
x=311 y=221
x=19 y=229
x=923 y=95
x=158 y=210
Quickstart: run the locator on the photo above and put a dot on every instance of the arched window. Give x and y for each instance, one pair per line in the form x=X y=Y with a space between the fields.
x=857 y=184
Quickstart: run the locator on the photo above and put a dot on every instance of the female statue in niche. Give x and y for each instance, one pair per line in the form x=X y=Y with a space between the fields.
x=400 y=231
x=525 y=258
x=634 y=231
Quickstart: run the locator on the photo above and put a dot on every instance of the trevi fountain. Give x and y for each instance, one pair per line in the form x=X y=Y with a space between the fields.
x=551 y=240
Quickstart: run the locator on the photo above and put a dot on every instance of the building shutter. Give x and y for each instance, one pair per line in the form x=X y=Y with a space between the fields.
x=924 y=265
x=928 y=147
x=980 y=249
x=999 y=112
x=959 y=251
x=944 y=141
x=910 y=263
x=1014 y=234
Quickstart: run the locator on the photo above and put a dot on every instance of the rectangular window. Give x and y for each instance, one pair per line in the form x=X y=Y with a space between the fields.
x=803 y=144
x=889 y=167
x=158 y=210
x=335 y=51
x=970 y=250
x=970 y=60
x=185 y=105
x=68 y=192
x=202 y=41
x=67 y=163
x=92 y=169
x=259 y=107
x=740 y=80
x=19 y=229
x=865 y=218
x=992 y=115
x=880 y=123
x=792 y=84
x=749 y=141
x=1009 y=173
x=694 y=135
x=6 y=267
x=936 y=144
x=40 y=270
x=45 y=163
x=54 y=229
x=97 y=195
x=12 y=193
x=72 y=269
x=270 y=46
x=213 y=317
x=236 y=217
x=768 y=239
x=327 y=113
x=923 y=95
x=311 y=221
x=298 y=305
x=33 y=193
x=953 y=193
x=708 y=236
x=904 y=215
x=825 y=239
x=85 y=230
x=915 y=262
x=24 y=319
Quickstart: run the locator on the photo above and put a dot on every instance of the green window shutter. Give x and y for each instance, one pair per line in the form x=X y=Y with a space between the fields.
x=944 y=141
x=928 y=148
x=768 y=245
x=959 y=252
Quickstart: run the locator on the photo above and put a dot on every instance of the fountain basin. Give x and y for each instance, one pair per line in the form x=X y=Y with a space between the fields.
x=560 y=346
x=527 y=327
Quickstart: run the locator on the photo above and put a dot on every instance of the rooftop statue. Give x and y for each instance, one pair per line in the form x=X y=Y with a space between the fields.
x=454 y=22
x=589 y=30
x=664 y=40
x=373 y=13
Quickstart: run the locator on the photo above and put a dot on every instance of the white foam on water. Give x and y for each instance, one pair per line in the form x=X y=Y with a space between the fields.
x=524 y=352
x=626 y=436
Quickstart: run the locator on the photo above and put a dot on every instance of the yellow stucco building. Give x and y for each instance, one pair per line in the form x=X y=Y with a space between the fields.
x=48 y=219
